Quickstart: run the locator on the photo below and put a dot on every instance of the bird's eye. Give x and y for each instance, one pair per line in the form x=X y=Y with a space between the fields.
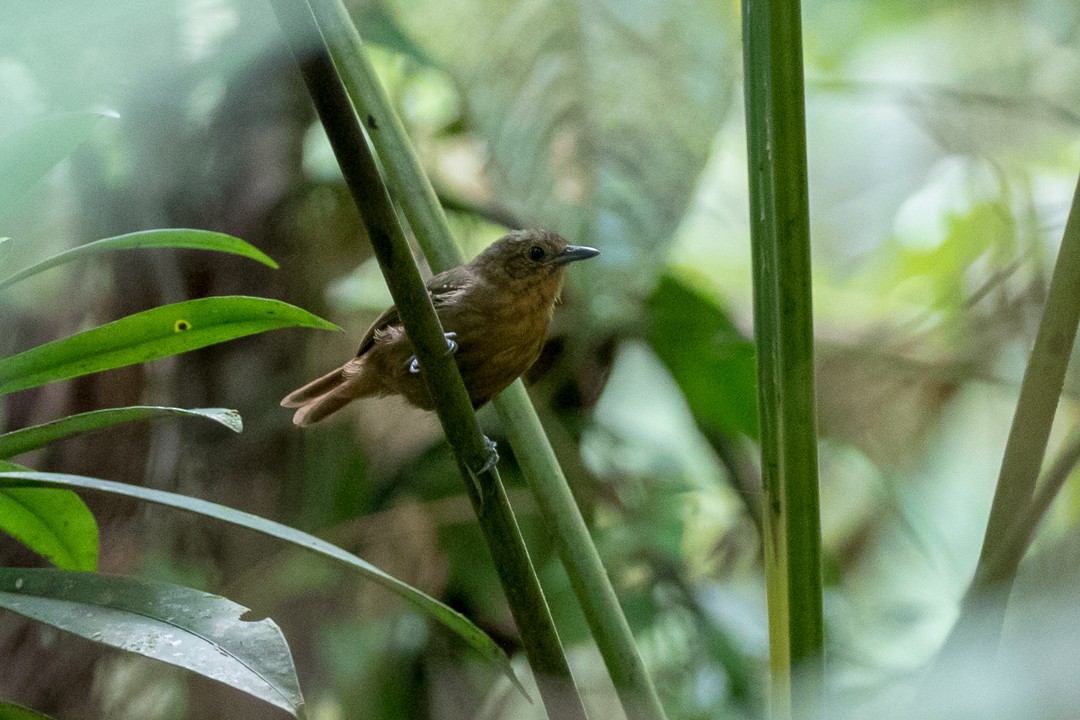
x=536 y=253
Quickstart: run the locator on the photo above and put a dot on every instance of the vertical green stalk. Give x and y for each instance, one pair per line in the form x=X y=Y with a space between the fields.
x=418 y=201
x=1014 y=514
x=439 y=371
x=783 y=328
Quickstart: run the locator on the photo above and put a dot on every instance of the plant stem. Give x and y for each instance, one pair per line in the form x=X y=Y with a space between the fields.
x=1015 y=543
x=406 y=179
x=440 y=373
x=1013 y=516
x=583 y=566
x=783 y=326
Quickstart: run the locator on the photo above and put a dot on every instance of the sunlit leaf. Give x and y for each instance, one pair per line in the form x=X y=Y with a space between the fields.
x=449 y=617
x=167 y=238
x=181 y=626
x=31 y=438
x=30 y=151
x=712 y=361
x=54 y=523
x=149 y=335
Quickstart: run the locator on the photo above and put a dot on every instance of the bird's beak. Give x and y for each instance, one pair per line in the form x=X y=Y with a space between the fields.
x=573 y=253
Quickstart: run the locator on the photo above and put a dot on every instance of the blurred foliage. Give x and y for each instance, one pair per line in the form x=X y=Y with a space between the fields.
x=943 y=150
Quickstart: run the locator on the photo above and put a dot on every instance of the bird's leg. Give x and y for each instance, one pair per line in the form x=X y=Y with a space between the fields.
x=451 y=348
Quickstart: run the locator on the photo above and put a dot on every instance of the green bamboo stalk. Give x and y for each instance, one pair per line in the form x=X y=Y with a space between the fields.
x=783 y=328
x=405 y=177
x=1013 y=514
x=588 y=578
x=1015 y=543
x=413 y=191
x=440 y=373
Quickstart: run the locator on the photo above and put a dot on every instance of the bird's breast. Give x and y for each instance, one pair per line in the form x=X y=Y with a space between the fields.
x=500 y=334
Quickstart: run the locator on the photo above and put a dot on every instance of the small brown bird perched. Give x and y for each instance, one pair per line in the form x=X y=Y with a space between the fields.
x=495 y=310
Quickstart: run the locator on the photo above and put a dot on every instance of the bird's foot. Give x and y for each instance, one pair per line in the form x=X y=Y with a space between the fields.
x=451 y=348
x=492 y=458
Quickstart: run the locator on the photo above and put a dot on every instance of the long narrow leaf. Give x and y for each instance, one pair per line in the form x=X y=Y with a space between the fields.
x=449 y=617
x=32 y=438
x=178 y=625
x=167 y=238
x=53 y=522
x=29 y=152
x=152 y=334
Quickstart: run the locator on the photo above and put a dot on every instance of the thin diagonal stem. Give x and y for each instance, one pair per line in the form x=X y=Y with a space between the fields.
x=440 y=373
x=556 y=504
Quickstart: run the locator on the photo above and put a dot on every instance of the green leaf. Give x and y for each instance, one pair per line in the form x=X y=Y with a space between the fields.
x=710 y=359
x=379 y=26
x=11 y=711
x=54 y=523
x=5 y=249
x=149 y=335
x=449 y=617
x=29 y=152
x=166 y=238
x=597 y=118
x=31 y=438
x=181 y=626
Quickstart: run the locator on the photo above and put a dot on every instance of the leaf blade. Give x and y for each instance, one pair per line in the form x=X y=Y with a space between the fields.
x=11 y=711
x=37 y=436
x=29 y=152
x=53 y=522
x=450 y=618
x=179 y=238
x=178 y=625
x=149 y=335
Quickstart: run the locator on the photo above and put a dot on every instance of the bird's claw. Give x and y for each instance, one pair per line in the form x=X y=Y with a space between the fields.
x=492 y=458
x=451 y=348
x=451 y=343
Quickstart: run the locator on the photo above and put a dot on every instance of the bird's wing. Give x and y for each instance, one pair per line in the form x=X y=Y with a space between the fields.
x=443 y=288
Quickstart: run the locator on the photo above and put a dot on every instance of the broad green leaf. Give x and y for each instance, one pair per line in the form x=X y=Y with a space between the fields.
x=5 y=249
x=54 y=523
x=29 y=152
x=149 y=335
x=712 y=361
x=11 y=711
x=31 y=438
x=178 y=625
x=449 y=617
x=167 y=238
x=597 y=118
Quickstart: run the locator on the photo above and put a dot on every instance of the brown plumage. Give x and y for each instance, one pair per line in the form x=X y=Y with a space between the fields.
x=498 y=308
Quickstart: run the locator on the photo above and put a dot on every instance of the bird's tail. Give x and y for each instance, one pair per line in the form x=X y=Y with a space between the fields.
x=324 y=396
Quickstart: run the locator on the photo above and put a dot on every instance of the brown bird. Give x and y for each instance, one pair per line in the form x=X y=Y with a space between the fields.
x=495 y=310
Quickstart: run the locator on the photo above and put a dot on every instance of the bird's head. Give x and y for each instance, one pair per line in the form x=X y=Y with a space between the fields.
x=529 y=256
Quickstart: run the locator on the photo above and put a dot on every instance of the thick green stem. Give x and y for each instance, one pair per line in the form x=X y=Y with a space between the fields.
x=783 y=325
x=440 y=373
x=405 y=177
x=418 y=201
x=578 y=553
